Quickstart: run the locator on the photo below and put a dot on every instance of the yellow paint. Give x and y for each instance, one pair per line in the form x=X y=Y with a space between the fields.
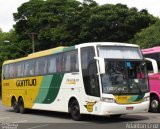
x=36 y=54
x=70 y=82
x=124 y=99
x=28 y=93
x=90 y=106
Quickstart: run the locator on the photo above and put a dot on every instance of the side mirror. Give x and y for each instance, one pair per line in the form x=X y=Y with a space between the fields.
x=154 y=64
x=101 y=64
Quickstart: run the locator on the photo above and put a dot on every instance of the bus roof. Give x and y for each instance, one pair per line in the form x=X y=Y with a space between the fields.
x=40 y=54
x=64 y=48
x=107 y=44
x=151 y=50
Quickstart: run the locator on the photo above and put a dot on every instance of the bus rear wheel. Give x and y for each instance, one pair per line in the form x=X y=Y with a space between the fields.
x=75 y=110
x=21 y=106
x=15 y=105
x=154 y=104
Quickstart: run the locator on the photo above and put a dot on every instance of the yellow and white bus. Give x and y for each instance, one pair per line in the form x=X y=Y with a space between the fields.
x=100 y=78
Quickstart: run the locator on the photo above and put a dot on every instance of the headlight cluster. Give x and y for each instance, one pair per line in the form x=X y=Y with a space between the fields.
x=108 y=100
x=146 y=98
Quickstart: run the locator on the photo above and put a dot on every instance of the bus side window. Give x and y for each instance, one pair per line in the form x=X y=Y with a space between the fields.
x=70 y=61
x=12 y=71
x=29 y=68
x=59 y=63
x=149 y=67
x=20 y=67
x=51 y=64
x=5 y=71
x=55 y=64
x=41 y=66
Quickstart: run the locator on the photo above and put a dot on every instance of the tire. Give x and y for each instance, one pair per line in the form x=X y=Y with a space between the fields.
x=115 y=116
x=75 y=111
x=15 y=105
x=21 y=106
x=154 y=104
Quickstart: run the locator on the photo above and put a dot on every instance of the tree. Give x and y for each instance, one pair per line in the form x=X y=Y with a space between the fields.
x=115 y=23
x=7 y=50
x=46 y=18
x=148 y=37
x=69 y=22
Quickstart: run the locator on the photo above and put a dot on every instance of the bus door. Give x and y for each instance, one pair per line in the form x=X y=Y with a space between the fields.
x=154 y=76
x=90 y=77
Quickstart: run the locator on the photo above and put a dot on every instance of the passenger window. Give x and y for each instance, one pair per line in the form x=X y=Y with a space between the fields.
x=149 y=66
x=5 y=71
x=12 y=71
x=55 y=64
x=20 y=68
x=52 y=64
x=70 y=61
x=59 y=63
x=29 y=68
x=41 y=66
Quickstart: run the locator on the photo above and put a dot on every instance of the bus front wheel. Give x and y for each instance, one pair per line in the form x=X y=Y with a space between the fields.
x=75 y=110
x=154 y=104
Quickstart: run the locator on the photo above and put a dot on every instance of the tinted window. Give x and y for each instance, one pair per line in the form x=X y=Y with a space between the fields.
x=12 y=71
x=41 y=66
x=70 y=61
x=55 y=64
x=20 y=69
x=154 y=56
x=89 y=71
x=149 y=66
x=29 y=68
x=6 y=71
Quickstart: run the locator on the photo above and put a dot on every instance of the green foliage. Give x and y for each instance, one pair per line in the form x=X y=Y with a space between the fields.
x=149 y=37
x=116 y=23
x=69 y=22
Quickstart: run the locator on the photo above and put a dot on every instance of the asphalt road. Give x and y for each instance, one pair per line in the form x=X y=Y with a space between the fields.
x=35 y=119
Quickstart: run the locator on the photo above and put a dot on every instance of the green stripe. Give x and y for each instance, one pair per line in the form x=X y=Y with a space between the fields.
x=136 y=98
x=139 y=97
x=54 y=88
x=65 y=49
x=68 y=48
x=44 y=88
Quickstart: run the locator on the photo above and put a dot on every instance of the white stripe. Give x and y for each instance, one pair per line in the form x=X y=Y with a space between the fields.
x=4 y=118
x=38 y=126
x=20 y=121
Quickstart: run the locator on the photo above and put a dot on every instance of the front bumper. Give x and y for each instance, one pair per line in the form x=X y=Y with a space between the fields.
x=114 y=108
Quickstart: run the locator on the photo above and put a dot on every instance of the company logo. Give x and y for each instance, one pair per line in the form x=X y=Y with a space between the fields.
x=89 y=106
x=26 y=82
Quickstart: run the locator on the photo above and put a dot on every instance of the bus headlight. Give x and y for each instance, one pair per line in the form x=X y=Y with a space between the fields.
x=146 y=98
x=108 y=100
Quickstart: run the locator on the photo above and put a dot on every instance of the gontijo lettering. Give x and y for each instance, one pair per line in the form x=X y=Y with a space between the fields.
x=26 y=82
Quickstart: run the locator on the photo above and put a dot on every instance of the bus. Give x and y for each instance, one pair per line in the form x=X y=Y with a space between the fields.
x=97 y=78
x=153 y=54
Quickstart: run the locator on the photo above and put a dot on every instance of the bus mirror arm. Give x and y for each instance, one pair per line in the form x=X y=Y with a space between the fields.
x=101 y=65
x=154 y=64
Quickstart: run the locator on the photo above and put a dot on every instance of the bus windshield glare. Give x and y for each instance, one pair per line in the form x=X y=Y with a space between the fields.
x=124 y=74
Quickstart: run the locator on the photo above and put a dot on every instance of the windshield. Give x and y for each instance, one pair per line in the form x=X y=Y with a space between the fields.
x=119 y=52
x=126 y=77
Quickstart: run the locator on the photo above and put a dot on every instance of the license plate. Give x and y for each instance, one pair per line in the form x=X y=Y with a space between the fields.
x=129 y=108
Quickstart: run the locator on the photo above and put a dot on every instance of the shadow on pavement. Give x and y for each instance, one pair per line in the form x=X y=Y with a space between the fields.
x=87 y=118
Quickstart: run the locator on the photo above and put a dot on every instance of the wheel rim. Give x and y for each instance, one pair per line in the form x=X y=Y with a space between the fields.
x=154 y=104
